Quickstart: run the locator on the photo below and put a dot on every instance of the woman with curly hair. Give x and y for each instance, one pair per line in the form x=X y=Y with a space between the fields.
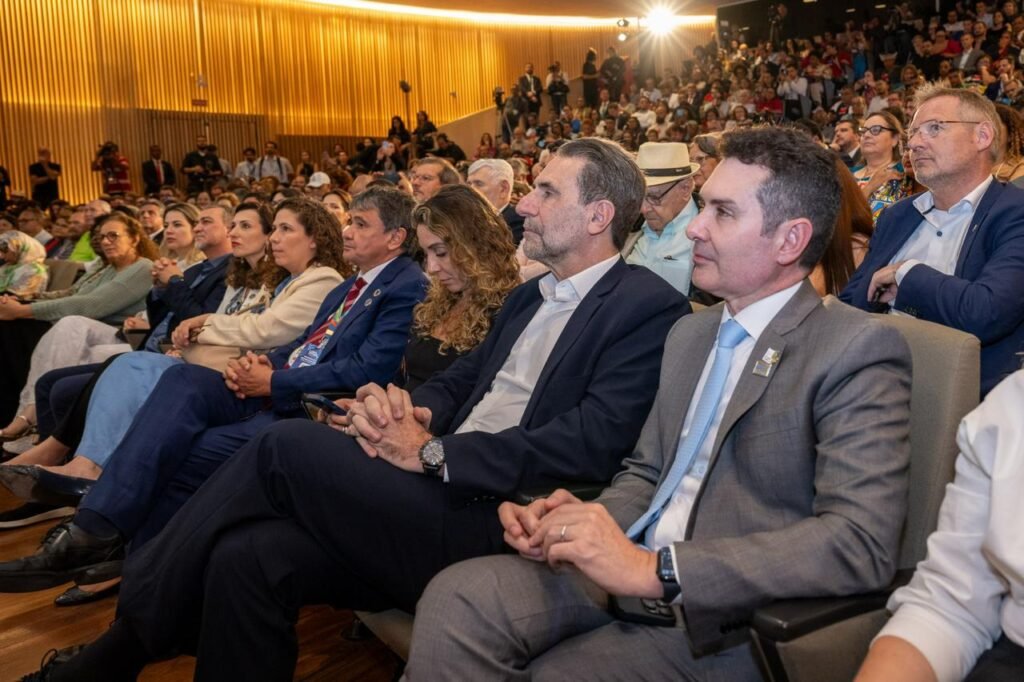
x=1011 y=165
x=470 y=258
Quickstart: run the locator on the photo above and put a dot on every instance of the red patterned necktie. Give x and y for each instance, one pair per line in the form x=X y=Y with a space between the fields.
x=350 y=298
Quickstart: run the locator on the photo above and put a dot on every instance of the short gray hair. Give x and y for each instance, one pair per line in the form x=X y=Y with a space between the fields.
x=969 y=101
x=609 y=172
x=500 y=168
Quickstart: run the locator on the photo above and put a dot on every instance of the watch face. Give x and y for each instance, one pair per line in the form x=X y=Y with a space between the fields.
x=432 y=454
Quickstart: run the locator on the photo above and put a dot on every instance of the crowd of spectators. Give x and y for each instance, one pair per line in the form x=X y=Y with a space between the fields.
x=224 y=299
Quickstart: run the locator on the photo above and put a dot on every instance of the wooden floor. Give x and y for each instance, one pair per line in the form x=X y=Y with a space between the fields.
x=30 y=625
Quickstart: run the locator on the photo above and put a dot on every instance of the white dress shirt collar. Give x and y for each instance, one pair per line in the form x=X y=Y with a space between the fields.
x=756 y=317
x=575 y=288
x=925 y=202
x=368 y=277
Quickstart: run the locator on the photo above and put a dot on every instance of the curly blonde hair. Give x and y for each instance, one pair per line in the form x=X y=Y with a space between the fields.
x=480 y=247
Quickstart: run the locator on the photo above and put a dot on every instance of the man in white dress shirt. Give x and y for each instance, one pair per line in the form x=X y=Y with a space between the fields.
x=772 y=465
x=953 y=255
x=961 y=617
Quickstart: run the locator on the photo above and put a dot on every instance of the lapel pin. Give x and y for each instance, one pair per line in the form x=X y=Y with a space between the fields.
x=367 y=303
x=376 y=292
x=763 y=367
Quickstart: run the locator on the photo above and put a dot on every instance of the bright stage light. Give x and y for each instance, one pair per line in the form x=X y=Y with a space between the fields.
x=661 y=21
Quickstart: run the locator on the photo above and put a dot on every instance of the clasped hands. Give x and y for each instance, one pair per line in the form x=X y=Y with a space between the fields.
x=249 y=376
x=164 y=269
x=385 y=424
x=561 y=529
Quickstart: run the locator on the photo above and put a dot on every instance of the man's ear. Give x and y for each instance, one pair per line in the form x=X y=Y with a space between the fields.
x=791 y=239
x=602 y=212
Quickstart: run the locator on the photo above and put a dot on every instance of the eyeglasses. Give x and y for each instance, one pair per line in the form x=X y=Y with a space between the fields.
x=931 y=129
x=874 y=130
x=109 y=237
x=656 y=199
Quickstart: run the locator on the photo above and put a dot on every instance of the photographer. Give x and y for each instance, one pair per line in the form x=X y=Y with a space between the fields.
x=557 y=86
x=114 y=167
x=201 y=166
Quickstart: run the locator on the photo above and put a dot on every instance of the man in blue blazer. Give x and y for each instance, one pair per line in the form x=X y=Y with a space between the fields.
x=196 y=418
x=558 y=390
x=955 y=254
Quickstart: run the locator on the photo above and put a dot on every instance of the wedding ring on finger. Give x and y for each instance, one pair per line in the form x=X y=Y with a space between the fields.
x=561 y=534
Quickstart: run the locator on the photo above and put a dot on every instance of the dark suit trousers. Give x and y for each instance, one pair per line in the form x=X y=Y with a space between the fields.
x=58 y=394
x=299 y=515
x=18 y=338
x=188 y=426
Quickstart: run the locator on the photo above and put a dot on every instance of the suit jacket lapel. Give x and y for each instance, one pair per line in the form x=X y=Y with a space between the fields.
x=590 y=304
x=752 y=386
x=369 y=297
x=680 y=389
x=989 y=198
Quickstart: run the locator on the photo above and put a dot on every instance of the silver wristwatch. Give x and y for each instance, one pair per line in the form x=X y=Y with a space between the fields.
x=432 y=457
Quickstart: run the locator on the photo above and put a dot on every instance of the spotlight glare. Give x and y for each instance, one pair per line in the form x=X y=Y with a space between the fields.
x=622 y=23
x=661 y=21
x=622 y=36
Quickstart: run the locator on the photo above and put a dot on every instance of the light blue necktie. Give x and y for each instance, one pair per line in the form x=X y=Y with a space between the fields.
x=729 y=336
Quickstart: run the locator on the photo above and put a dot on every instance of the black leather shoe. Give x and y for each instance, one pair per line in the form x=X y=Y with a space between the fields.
x=52 y=660
x=35 y=484
x=76 y=596
x=65 y=552
x=100 y=573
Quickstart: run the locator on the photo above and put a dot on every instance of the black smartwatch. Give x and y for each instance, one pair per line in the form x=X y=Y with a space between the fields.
x=667 y=576
x=432 y=457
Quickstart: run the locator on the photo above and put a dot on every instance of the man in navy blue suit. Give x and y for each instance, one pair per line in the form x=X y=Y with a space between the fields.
x=196 y=418
x=955 y=254
x=558 y=391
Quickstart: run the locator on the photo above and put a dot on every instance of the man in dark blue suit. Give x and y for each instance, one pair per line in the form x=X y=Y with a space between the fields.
x=195 y=419
x=559 y=390
x=955 y=254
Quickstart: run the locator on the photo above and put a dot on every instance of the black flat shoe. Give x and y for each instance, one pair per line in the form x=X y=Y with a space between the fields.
x=35 y=484
x=75 y=596
x=100 y=573
x=66 y=552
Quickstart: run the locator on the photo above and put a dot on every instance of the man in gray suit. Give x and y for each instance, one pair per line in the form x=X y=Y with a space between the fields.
x=773 y=465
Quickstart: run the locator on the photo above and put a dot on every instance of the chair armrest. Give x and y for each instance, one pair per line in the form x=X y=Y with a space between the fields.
x=786 y=620
x=583 y=490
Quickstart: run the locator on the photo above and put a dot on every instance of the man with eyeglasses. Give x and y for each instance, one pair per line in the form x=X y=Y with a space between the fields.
x=661 y=243
x=953 y=255
x=429 y=175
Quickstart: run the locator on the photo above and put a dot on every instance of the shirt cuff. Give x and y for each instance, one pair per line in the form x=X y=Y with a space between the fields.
x=904 y=269
x=943 y=648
